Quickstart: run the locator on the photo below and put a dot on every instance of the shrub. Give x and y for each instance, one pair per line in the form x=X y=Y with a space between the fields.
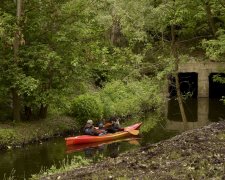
x=7 y=136
x=119 y=98
x=132 y=97
x=87 y=107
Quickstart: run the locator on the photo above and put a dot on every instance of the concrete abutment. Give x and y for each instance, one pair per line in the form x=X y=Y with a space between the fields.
x=203 y=69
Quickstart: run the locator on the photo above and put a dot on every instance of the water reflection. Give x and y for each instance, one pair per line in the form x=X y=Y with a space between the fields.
x=105 y=149
x=199 y=112
x=29 y=160
x=96 y=153
x=109 y=148
x=32 y=158
x=216 y=110
x=113 y=150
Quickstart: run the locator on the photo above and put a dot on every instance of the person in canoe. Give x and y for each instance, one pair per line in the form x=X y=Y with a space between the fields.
x=89 y=129
x=114 y=126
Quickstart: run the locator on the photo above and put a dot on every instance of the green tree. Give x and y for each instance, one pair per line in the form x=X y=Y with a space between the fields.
x=49 y=48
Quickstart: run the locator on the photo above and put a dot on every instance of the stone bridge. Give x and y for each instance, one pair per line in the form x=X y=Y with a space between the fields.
x=203 y=70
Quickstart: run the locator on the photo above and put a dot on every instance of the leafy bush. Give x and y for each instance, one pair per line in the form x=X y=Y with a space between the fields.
x=87 y=107
x=118 y=98
x=123 y=99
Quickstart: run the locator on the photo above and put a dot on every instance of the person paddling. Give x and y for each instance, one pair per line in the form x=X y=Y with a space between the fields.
x=89 y=129
x=114 y=127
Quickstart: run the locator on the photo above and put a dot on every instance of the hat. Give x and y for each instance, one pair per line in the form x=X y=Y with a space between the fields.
x=90 y=122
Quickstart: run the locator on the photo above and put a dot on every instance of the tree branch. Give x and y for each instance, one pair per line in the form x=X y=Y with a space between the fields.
x=194 y=38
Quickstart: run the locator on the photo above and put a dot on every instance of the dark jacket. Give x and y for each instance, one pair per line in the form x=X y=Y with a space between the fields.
x=90 y=130
x=114 y=127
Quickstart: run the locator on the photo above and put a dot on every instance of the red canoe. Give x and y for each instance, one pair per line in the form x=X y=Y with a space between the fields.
x=80 y=147
x=108 y=137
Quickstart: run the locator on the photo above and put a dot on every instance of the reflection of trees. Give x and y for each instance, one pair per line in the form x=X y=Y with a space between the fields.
x=190 y=105
x=30 y=159
x=158 y=133
x=216 y=110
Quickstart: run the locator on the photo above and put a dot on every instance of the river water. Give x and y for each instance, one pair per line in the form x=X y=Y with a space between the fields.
x=31 y=159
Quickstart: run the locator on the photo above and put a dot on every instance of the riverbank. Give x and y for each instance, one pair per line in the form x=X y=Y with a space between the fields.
x=195 y=154
x=20 y=134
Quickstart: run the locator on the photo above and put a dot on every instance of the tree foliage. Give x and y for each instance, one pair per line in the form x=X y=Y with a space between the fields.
x=68 y=43
x=87 y=107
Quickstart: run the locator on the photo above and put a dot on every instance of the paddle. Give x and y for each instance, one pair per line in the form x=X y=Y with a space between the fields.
x=132 y=131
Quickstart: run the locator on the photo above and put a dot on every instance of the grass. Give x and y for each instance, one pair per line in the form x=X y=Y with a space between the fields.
x=11 y=176
x=12 y=135
x=66 y=165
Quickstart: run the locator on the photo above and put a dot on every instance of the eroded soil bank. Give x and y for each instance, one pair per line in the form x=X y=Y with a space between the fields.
x=195 y=154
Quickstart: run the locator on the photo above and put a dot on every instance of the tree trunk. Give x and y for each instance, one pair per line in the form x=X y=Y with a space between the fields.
x=115 y=32
x=174 y=53
x=17 y=37
x=27 y=113
x=179 y=98
x=43 y=111
x=210 y=18
x=16 y=105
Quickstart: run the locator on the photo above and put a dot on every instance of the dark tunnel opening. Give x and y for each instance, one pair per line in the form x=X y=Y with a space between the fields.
x=216 y=89
x=188 y=85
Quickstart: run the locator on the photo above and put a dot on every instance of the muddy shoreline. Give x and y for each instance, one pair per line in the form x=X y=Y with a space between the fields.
x=195 y=154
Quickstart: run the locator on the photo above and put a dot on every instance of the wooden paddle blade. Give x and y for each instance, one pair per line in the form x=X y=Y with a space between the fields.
x=133 y=132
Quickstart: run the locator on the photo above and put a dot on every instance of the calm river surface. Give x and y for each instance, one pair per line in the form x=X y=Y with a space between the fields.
x=29 y=160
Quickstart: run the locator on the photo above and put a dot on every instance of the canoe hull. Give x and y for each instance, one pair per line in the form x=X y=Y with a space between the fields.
x=81 y=147
x=84 y=139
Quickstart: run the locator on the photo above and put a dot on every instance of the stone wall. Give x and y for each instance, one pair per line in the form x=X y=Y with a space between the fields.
x=203 y=69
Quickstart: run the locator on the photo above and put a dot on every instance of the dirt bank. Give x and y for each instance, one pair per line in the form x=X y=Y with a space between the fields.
x=195 y=154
